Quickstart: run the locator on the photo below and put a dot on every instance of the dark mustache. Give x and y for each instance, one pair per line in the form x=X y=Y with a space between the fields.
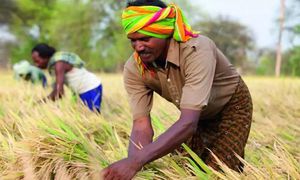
x=143 y=52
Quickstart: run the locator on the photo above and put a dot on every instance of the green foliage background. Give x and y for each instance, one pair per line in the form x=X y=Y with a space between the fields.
x=92 y=29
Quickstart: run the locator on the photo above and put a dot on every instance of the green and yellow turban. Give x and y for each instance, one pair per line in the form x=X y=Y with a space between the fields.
x=157 y=22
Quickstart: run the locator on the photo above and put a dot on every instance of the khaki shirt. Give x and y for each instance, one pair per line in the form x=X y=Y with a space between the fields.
x=197 y=76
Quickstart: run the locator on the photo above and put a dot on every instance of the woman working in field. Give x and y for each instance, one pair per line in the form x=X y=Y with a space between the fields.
x=68 y=68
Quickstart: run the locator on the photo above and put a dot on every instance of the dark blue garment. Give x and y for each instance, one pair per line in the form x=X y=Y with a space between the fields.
x=44 y=81
x=92 y=98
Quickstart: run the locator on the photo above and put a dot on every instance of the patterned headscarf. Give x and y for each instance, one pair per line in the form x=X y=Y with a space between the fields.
x=157 y=22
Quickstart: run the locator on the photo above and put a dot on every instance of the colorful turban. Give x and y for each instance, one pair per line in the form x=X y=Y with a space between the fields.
x=156 y=22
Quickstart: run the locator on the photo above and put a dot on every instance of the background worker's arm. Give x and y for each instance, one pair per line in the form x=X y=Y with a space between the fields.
x=58 y=89
x=141 y=134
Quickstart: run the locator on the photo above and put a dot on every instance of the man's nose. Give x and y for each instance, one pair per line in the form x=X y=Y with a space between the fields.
x=139 y=46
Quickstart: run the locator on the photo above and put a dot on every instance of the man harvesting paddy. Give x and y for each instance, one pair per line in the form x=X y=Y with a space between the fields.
x=188 y=70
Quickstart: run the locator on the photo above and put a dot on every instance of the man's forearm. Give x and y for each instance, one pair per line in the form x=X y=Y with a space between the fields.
x=177 y=134
x=141 y=134
x=138 y=139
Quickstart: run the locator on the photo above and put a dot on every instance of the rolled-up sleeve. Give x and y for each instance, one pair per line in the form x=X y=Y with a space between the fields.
x=199 y=71
x=140 y=96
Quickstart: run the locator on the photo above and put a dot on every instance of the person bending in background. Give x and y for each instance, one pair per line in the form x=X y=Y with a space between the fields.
x=188 y=70
x=68 y=69
x=24 y=70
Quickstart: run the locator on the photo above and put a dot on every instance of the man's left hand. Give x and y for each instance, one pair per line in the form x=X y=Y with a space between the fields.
x=124 y=169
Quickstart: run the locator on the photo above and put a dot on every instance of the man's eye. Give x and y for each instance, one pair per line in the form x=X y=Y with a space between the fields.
x=146 y=39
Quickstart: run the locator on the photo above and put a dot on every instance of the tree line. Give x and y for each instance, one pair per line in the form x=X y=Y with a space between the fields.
x=92 y=29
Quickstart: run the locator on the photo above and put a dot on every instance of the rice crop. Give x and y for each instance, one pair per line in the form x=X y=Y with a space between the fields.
x=64 y=140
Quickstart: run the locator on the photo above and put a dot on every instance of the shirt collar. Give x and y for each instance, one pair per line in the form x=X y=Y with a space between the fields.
x=173 y=52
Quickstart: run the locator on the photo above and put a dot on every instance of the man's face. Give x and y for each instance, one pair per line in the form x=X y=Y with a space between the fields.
x=149 y=48
x=38 y=60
